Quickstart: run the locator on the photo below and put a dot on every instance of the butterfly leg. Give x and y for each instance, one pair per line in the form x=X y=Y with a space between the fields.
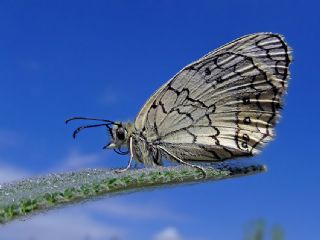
x=202 y=169
x=130 y=159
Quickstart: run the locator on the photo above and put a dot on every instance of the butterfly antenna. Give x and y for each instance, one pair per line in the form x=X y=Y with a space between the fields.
x=75 y=132
x=91 y=119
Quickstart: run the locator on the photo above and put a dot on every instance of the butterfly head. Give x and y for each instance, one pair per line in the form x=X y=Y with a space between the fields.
x=120 y=132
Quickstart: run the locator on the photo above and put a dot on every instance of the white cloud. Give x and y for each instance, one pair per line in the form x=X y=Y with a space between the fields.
x=169 y=233
x=76 y=160
x=10 y=173
x=62 y=224
x=73 y=161
x=120 y=208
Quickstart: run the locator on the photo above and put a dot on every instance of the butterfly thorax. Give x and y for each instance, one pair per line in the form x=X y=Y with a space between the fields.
x=144 y=151
x=141 y=150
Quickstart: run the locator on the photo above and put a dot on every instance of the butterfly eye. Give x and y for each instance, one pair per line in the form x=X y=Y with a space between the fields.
x=120 y=133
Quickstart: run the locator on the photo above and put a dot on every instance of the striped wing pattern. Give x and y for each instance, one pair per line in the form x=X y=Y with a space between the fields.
x=223 y=105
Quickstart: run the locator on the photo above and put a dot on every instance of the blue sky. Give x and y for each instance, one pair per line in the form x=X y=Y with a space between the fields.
x=104 y=59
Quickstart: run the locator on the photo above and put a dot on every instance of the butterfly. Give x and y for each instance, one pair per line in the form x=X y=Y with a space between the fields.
x=224 y=105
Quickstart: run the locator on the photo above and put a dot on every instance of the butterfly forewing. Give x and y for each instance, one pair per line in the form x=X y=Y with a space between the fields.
x=223 y=105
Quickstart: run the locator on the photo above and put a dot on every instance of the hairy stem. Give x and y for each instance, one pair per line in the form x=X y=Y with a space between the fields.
x=32 y=195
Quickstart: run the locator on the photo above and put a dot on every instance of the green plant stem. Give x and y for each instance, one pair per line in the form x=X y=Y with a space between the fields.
x=29 y=196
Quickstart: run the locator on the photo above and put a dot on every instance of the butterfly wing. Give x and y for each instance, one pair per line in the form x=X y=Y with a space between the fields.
x=223 y=105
